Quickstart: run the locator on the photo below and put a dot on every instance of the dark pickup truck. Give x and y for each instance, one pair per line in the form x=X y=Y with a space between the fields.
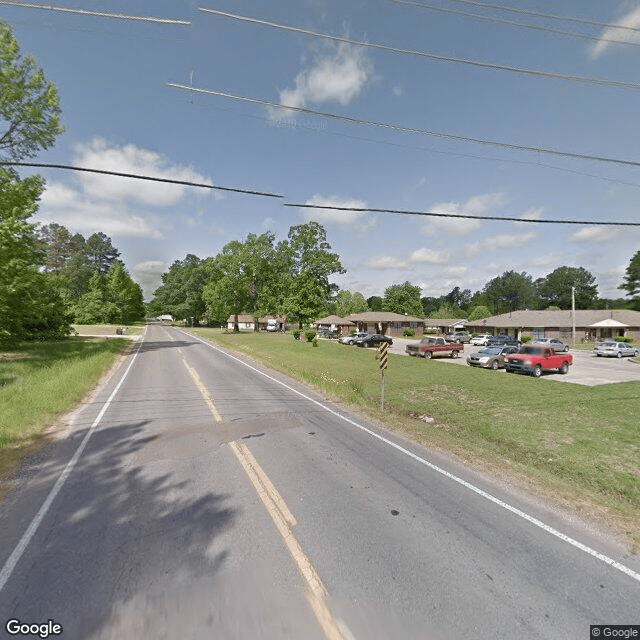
x=535 y=359
x=430 y=347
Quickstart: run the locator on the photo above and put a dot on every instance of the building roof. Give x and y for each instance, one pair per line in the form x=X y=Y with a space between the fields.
x=383 y=316
x=334 y=320
x=444 y=322
x=546 y=318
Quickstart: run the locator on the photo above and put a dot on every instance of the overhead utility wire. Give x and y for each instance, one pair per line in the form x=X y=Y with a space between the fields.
x=540 y=14
x=90 y=12
x=403 y=129
x=140 y=177
x=514 y=23
x=457 y=215
x=433 y=56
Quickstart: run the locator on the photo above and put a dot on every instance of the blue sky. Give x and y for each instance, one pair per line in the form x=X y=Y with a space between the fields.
x=120 y=115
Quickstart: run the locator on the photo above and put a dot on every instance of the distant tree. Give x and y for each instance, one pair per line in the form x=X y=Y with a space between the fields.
x=125 y=294
x=511 y=291
x=429 y=305
x=347 y=303
x=478 y=313
x=374 y=303
x=458 y=300
x=94 y=306
x=403 y=298
x=631 y=281
x=555 y=288
x=100 y=252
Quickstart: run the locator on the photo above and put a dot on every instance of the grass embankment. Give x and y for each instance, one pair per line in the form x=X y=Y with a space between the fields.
x=41 y=381
x=107 y=329
x=579 y=445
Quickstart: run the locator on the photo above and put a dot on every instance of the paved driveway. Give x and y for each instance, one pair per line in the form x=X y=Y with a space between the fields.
x=587 y=368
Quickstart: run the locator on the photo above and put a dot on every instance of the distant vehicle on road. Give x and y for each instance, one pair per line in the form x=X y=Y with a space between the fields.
x=615 y=349
x=458 y=336
x=351 y=339
x=372 y=341
x=430 y=347
x=501 y=340
x=557 y=345
x=490 y=357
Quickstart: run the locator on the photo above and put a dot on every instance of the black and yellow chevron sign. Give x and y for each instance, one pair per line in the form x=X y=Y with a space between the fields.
x=383 y=355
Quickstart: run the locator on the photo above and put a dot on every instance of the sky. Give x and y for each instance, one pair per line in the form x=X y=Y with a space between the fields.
x=121 y=114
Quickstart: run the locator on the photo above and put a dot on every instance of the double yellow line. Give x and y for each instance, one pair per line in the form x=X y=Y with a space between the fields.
x=284 y=521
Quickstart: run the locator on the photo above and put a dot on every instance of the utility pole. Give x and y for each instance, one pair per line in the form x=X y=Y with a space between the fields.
x=573 y=316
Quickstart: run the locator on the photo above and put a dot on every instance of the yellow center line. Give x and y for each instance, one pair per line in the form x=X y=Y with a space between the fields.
x=283 y=519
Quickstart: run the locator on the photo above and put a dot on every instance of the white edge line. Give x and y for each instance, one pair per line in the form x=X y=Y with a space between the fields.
x=15 y=556
x=538 y=523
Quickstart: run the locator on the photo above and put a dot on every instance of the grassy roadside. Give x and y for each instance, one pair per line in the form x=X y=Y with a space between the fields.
x=41 y=381
x=107 y=329
x=576 y=445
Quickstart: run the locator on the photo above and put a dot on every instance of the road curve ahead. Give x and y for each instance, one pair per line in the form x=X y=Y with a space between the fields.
x=199 y=495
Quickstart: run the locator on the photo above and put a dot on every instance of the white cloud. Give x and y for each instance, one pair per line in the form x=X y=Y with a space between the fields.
x=630 y=20
x=383 y=263
x=339 y=77
x=531 y=214
x=99 y=154
x=364 y=221
x=147 y=275
x=474 y=206
x=594 y=234
x=497 y=242
x=430 y=256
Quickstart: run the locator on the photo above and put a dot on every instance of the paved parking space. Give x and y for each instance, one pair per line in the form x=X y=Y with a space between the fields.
x=587 y=368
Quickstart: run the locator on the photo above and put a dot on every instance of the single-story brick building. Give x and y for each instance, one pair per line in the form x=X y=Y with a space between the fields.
x=386 y=322
x=590 y=324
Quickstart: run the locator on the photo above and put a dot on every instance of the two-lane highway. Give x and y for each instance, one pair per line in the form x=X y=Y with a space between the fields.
x=211 y=498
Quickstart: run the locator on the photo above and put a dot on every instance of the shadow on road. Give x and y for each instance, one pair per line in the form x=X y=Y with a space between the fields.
x=116 y=530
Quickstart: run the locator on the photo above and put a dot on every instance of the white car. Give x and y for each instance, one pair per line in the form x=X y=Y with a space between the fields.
x=480 y=340
x=557 y=345
x=615 y=349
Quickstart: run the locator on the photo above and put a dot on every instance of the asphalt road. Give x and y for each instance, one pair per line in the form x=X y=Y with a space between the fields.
x=212 y=498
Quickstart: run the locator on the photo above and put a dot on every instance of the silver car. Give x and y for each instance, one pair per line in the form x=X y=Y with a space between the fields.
x=615 y=349
x=490 y=357
x=350 y=339
x=557 y=345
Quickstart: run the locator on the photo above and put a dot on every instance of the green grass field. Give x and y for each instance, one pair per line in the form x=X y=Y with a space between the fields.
x=41 y=381
x=579 y=445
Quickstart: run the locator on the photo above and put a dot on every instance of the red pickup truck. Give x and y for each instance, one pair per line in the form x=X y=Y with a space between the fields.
x=535 y=359
x=430 y=347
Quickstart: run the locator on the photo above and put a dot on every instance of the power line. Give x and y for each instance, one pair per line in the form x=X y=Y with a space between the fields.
x=140 y=177
x=514 y=23
x=403 y=129
x=90 y=12
x=551 y=16
x=457 y=215
x=432 y=56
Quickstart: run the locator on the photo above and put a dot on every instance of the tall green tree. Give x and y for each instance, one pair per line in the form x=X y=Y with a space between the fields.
x=403 y=298
x=555 y=288
x=29 y=104
x=631 y=280
x=478 y=313
x=511 y=291
x=375 y=303
x=125 y=294
x=309 y=265
x=29 y=308
x=347 y=303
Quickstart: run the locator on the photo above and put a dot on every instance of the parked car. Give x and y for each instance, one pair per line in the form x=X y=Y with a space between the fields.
x=480 y=340
x=429 y=347
x=490 y=357
x=351 y=339
x=534 y=359
x=458 y=336
x=615 y=349
x=373 y=341
x=557 y=345
x=501 y=340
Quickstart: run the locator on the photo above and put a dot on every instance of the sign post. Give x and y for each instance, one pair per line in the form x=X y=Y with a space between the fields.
x=382 y=355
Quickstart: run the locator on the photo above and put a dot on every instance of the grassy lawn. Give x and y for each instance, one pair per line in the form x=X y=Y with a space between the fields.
x=578 y=445
x=41 y=381
x=107 y=329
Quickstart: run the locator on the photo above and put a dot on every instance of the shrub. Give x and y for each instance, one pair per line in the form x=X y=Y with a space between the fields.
x=408 y=333
x=624 y=339
x=296 y=334
x=310 y=334
x=526 y=339
x=314 y=342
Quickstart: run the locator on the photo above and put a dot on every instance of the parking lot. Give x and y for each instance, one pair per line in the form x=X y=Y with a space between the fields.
x=587 y=368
